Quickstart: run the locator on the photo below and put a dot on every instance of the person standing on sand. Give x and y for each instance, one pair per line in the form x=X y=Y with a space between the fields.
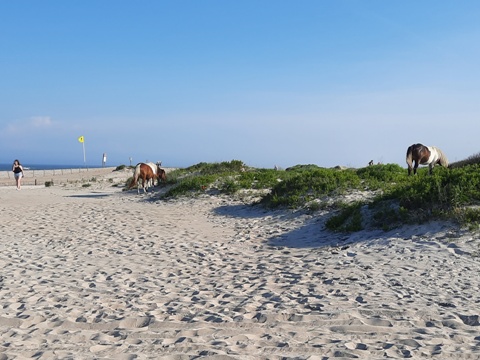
x=17 y=169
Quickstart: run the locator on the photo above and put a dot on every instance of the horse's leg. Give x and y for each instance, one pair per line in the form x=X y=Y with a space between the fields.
x=143 y=184
x=415 y=167
x=151 y=182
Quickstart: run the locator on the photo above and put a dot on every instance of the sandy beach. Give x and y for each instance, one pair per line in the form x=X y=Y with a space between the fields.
x=94 y=272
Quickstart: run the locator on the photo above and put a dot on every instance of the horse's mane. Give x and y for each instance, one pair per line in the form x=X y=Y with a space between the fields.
x=442 y=159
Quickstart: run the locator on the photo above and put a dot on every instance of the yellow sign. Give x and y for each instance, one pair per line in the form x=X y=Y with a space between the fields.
x=81 y=139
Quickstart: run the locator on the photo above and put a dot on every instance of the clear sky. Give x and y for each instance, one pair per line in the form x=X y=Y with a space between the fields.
x=268 y=82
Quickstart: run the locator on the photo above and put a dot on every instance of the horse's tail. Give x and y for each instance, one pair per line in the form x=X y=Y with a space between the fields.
x=136 y=175
x=409 y=156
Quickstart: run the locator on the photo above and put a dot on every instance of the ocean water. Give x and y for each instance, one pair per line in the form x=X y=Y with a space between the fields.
x=26 y=166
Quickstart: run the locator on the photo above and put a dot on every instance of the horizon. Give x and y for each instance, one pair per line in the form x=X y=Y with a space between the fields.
x=269 y=84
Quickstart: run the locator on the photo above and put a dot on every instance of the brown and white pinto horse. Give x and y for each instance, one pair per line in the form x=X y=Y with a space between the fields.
x=425 y=155
x=146 y=174
x=157 y=171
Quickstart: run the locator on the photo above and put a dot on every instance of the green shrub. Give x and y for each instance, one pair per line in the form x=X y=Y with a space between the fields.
x=217 y=168
x=300 y=187
x=349 y=219
x=229 y=186
x=190 y=185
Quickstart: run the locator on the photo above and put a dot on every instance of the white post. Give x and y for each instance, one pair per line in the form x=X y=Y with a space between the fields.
x=84 y=158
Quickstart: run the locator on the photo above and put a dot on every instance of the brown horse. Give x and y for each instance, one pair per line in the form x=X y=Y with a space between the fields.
x=145 y=173
x=425 y=155
x=161 y=175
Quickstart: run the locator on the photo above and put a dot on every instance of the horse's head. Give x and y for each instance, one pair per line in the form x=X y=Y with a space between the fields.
x=161 y=174
x=443 y=161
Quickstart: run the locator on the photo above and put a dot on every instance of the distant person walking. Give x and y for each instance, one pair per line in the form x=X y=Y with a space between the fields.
x=17 y=169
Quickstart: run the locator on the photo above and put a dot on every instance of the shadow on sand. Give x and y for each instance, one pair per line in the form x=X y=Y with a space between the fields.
x=289 y=229
x=92 y=195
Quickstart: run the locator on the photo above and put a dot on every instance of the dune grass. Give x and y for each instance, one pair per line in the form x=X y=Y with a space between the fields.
x=450 y=194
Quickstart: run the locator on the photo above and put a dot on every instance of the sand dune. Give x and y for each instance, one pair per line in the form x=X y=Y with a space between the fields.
x=97 y=273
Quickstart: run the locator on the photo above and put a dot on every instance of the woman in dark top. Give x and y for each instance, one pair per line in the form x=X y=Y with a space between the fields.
x=17 y=169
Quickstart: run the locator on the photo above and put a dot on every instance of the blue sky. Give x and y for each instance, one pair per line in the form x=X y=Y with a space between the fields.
x=266 y=82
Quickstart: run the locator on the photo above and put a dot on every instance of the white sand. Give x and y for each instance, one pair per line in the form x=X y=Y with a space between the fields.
x=97 y=273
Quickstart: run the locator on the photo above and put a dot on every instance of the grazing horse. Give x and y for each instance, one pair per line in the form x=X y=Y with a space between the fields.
x=425 y=155
x=161 y=175
x=156 y=170
x=144 y=172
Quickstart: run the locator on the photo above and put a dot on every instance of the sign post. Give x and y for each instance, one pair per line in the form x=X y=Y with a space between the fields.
x=82 y=140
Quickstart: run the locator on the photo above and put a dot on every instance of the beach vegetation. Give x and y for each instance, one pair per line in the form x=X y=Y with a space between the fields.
x=452 y=194
x=395 y=198
x=224 y=177
x=190 y=185
x=348 y=220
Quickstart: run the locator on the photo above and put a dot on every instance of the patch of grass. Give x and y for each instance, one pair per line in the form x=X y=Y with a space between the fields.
x=313 y=206
x=301 y=187
x=349 y=219
x=127 y=183
x=381 y=176
x=226 y=177
x=308 y=167
x=229 y=186
x=216 y=168
x=191 y=185
x=445 y=189
x=468 y=217
x=387 y=215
